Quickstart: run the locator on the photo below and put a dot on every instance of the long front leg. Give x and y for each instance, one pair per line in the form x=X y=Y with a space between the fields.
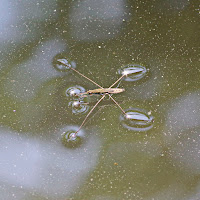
x=61 y=61
x=117 y=80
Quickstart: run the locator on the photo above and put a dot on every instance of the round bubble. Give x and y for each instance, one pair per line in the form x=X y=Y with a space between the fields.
x=133 y=72
x=137 y=120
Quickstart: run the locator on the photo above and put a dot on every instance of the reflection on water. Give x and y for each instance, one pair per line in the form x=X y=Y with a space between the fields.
x=182 y=132
x=72 y=140
x=97 y=20
x=14 y=18
x=25 y=79
x=57 y=63
x=78 y=107
x=133 y=72
x=77 y=104
x=111 y=162
x=74 y=90
x=45 y=166
x=137 y=120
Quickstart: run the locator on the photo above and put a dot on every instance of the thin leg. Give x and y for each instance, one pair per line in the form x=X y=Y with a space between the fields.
x=83 y=75
x=117 y=104
x=117 y=80
x=89 y=114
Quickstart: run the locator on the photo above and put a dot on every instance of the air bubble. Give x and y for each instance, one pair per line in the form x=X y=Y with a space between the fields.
x=137 y=120
x=134 y=72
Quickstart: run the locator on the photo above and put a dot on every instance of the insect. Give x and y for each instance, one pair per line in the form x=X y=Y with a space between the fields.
x=100 y=91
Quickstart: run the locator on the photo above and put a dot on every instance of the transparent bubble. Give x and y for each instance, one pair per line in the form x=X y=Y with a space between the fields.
x=63 y=64
x=134 y=72
x=72 y=140
x=137 y=120
x=74 y=90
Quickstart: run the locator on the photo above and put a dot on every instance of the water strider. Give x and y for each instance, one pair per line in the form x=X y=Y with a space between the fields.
x=100 y=91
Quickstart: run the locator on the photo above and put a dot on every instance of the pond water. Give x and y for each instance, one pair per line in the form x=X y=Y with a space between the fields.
x=152 y=152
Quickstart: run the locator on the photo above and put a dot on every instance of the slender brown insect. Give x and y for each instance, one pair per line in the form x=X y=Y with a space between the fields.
x=100 y=91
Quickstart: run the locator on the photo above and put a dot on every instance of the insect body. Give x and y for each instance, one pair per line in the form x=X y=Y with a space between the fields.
x=102 y=91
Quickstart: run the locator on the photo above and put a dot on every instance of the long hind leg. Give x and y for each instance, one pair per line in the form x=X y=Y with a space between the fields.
x=89 y=114
x=118 y=105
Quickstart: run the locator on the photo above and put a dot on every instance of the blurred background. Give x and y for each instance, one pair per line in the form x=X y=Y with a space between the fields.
x=115 y=160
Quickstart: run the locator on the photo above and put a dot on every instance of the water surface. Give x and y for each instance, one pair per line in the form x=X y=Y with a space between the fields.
x=113 y=160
